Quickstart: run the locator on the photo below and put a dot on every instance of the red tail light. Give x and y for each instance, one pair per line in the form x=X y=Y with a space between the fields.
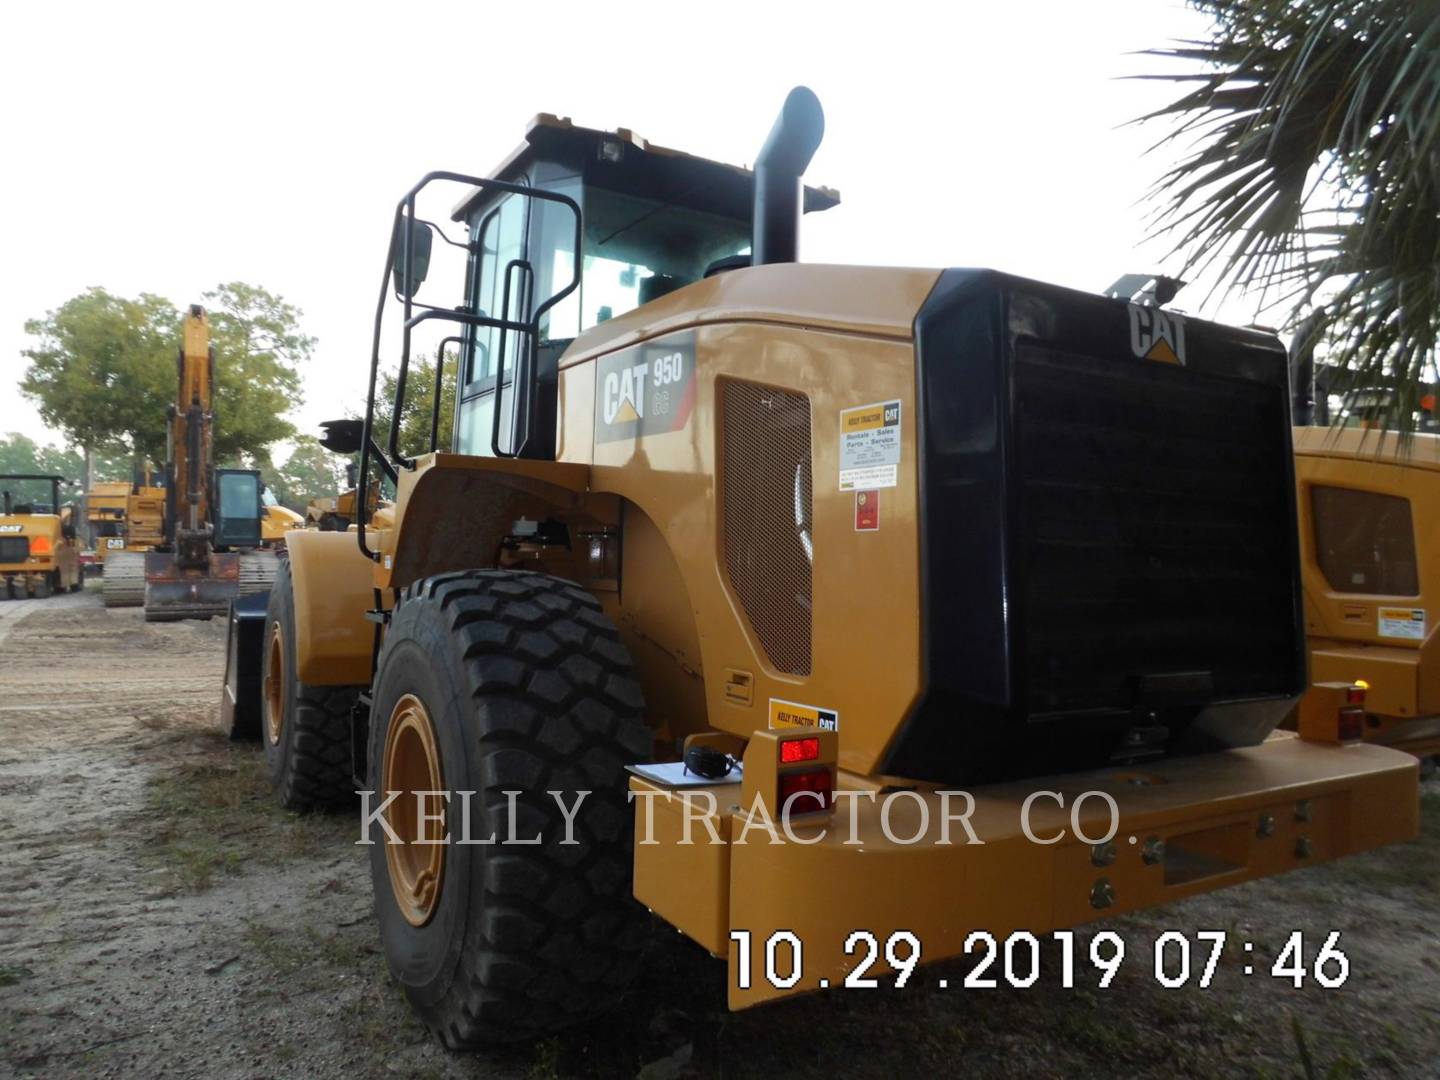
x=1352 y=722
x=794 y=750
x=813 y=789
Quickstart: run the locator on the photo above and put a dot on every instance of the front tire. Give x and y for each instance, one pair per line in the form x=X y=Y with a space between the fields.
x=305 y=728
x=518 y=683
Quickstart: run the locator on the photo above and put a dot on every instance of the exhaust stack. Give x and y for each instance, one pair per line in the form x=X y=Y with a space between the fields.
x=779 y=198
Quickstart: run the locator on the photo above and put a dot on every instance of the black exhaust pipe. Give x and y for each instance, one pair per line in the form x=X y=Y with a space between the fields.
x=779 y=198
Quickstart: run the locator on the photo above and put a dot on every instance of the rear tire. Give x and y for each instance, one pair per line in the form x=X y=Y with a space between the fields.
x=44 y=586
x=305 y=729
x=528 y=689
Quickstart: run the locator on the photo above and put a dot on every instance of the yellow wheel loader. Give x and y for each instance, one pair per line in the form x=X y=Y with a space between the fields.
x=748 y=587
x=336 y=513
x=39 y=545
x=1370 y=555
x=277 y=521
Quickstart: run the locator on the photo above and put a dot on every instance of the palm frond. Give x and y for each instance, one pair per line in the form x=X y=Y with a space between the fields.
x=1311 y=173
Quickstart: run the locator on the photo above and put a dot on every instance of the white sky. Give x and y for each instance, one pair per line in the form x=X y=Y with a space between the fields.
x=167 y=147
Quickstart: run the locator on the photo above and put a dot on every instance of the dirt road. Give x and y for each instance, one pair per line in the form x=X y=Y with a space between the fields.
x=159 y=918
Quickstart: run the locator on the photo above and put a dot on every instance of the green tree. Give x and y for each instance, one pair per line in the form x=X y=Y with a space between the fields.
x=259 y=350
x=309 y=472
x=1313 y=175
x=98 y=367
x=419 y=404
x=103 y=370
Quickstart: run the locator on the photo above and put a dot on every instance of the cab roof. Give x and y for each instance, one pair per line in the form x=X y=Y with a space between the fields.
x=623 y=160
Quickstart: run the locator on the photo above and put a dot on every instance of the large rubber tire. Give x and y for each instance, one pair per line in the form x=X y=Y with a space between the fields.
x=43 y=587
x=307 y=753
x=528 y=689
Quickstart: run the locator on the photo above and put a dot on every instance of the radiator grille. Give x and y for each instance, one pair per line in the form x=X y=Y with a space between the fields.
x=14 y=549
x=766 y=492
x=1156 y=530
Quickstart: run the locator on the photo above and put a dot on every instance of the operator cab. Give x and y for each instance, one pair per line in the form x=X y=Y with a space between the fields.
x=652 y=220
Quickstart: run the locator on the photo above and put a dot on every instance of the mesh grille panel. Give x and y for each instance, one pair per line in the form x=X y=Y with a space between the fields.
x=14 y=549
x=766 y=487
x=1157 y=529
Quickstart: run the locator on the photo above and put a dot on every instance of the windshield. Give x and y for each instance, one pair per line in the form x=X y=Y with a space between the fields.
x=636 y=250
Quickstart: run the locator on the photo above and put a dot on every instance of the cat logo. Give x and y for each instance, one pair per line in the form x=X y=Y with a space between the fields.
x=1157 y=335
x=624 y=394
x=645 y=390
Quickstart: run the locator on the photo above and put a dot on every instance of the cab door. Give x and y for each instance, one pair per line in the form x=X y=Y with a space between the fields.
x=498 y=236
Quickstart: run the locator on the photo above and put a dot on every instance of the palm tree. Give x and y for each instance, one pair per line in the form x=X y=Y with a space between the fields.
x=1312 y=174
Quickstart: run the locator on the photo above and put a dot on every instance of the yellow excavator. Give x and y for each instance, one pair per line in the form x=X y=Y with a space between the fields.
x=210 y=549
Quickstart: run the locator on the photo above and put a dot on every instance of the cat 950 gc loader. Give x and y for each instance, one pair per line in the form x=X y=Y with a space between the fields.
x=839 y=549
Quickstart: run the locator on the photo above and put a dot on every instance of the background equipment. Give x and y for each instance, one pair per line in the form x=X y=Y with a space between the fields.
x=39 y=545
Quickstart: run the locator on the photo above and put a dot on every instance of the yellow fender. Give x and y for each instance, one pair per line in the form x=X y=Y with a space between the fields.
x=333 y=590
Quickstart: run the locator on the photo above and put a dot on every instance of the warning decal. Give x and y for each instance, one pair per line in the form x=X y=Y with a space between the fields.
x=789 y=714
x=867 y=511
x=870 y=446
x=1402 y=623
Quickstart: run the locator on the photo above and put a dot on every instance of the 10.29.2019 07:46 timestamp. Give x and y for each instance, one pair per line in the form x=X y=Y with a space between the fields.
x=1176 y=959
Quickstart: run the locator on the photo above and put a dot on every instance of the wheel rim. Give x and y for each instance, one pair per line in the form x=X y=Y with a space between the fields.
x=412 y=764
x=275 y=686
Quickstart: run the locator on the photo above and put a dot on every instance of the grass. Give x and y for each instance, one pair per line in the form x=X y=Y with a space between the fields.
x=211 y=819
x=10 y=974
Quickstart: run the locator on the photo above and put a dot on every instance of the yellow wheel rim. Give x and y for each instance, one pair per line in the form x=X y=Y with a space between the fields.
x=275 y=686
x=412 y=764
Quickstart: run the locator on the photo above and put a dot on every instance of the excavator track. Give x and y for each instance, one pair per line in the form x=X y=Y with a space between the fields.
x=124 y=579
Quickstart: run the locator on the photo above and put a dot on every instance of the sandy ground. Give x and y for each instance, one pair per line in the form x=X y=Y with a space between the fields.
x=158 y=917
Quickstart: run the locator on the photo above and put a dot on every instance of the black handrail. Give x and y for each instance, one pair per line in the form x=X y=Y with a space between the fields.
x=405 y=212
x=524 y=266
x=459 y=339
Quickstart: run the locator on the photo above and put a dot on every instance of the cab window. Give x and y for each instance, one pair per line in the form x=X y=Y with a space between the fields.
x=638 y=250
x=500 y=235
x=1365 y=541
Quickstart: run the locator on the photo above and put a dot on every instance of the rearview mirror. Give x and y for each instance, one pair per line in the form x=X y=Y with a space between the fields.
x=421 y=238
x=343 y=436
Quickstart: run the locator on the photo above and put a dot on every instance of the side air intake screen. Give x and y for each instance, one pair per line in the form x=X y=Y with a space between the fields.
x=766 y=491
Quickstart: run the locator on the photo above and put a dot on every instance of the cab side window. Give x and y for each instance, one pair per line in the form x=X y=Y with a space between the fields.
x=500 y=234
x=1365 y=541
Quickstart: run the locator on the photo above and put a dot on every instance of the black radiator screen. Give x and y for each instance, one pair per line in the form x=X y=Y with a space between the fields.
x=1154 y=531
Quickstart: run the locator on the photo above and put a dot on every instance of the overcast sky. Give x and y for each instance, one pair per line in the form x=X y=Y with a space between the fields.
x=165 y=148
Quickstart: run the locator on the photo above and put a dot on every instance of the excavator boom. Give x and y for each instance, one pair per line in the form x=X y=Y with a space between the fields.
x=213 y=516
